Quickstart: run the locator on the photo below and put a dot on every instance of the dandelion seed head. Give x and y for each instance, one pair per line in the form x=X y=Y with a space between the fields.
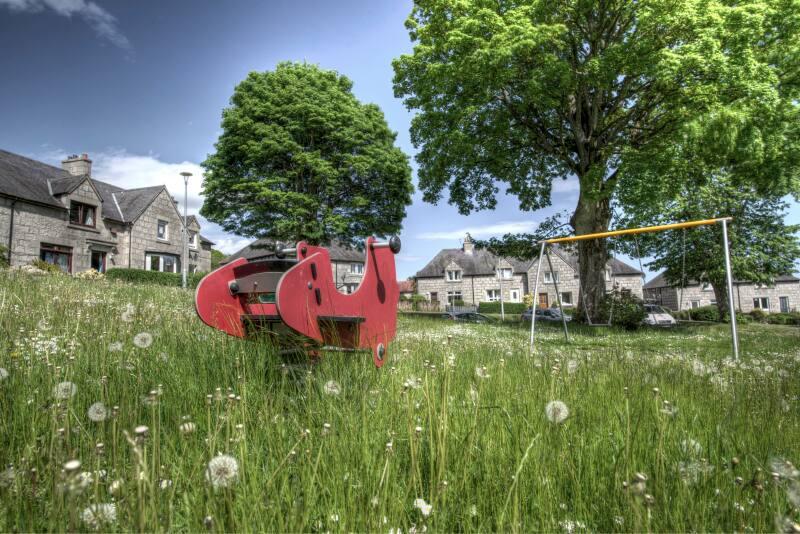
x=116 y=346
x=143 y=340
x=187 y=428
x=64 y=390
x=424 y=508
x=332 y=388
x=3 y=374
x=222 y=471
x=72 y=466
x=481 y=372
x=556 y=411
x=97 y=412
x=97 y=516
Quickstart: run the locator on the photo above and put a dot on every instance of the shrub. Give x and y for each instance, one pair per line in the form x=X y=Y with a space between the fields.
x=140 y=276
x=494 y=307
x=704 y=313
x=3 y=257
x=625 y=310
x=46 y=267
x=758 y=315
x=91 y=274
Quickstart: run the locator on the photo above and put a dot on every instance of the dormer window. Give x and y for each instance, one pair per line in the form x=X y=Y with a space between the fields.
x=193 y=239
x=162 y=231
x=453 y=275
x=504 y=273
x=550 y=277
x=82 y=214
x=356 y=268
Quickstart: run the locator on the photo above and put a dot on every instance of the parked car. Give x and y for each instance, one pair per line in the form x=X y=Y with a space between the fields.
x=658 y=316
x=545 y=314
x=468 y=317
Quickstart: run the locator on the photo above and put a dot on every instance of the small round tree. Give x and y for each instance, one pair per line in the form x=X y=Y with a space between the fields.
x=300 y=157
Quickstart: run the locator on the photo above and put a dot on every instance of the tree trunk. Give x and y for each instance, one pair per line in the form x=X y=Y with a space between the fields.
x=591 y=216
x=721 y=295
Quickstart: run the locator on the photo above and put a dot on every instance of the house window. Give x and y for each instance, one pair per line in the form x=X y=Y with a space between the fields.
x=165 y=263
x=350 y=288
x=504 y=273
x=515 y=295
x=82 y=214
x=162 y=231
x=707 y=287
x=356 y=268
x=761 y=303
x=608 y=275
x=193 y=239
x=550 y=277
x=98 y=261
x=566 y=298
x=492 y=295
x=695 y=304
x=453 y=297
x=434 y=296
x=57 y=255
x=784 y=301
x=453 y=276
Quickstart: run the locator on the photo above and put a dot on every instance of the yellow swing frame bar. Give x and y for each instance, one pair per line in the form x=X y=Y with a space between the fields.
x=643 y=230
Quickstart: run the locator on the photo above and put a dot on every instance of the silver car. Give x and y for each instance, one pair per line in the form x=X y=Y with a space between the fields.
x=658 y=316
x=545 y=314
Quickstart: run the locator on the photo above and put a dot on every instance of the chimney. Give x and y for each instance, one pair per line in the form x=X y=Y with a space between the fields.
x=78 y=165
x=469 y=246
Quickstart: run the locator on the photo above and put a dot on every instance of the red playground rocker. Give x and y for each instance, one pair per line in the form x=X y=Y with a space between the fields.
x=284 y=297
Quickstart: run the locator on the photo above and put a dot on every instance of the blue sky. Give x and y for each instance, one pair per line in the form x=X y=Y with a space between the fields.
x=140 y=86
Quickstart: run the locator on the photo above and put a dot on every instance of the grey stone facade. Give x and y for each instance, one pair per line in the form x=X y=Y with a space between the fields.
x=782 y=295
x=35 y=203
x=478 y=280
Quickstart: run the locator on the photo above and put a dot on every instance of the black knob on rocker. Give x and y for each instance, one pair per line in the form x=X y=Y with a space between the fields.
x=394 y=244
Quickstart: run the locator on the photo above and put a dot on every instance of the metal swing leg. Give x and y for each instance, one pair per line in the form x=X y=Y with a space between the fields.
x=558 y=296
x=535 y=294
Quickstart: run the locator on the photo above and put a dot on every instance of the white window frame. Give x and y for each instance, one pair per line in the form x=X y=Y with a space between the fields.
x=165 y=237
x=758 y=303
x=506 y=273
x=493 y=295
x=453 y=275
x=564 y=302
x=149 y=255
x=781 y=300
x=514 y=295
x=356 y=268
x=192 y=239
x=695 y=304
x=549 y=279
x=452 y=296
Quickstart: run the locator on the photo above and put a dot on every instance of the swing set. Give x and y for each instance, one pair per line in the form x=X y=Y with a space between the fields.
x=545 y=253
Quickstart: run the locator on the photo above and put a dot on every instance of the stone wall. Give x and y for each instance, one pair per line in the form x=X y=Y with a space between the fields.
x=743 y=295
x=5 y=220
x=474 y=288
x=343 y=278
x=144 y=232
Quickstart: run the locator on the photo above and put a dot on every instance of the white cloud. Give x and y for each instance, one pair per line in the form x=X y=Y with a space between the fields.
x=570 y=185
x=496 y=229
x=102 y=22
x=132 y=171
x=408 y=258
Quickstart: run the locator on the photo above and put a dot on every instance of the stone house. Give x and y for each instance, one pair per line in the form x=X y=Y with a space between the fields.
x=347 y=263
x=474 y=275
x=68 y=218
x=781 y=296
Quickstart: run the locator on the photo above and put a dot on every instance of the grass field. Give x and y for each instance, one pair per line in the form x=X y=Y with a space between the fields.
x=664 y=431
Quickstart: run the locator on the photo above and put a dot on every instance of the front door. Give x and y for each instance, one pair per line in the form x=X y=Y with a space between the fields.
x=784 y=304
x=543 y=302
x=99 y=261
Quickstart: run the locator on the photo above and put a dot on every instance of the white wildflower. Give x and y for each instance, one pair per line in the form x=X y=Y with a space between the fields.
x=556 y=411
x=187 y=428
x=223 y=471
x=143 y=340
x=64 y=390
x=3 y=374
x=423 y=507
x=569 y=526
x=97 y=412
x=7 y=477
x=691 y=447
x=481 y=372
x=97 y=516
x=332 y=388
x=115 y=487
x=115 y=346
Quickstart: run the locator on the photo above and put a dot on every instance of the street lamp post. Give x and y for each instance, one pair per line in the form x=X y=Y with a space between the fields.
x=185 y=255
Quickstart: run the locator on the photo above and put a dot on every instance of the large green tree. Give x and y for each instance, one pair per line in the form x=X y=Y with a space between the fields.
x=300 y=157
x=524 y=92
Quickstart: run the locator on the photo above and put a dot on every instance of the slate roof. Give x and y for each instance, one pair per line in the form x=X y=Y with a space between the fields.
x=262 y=249
x=38 y=182
x=192 y=219
x=483 y=263
x=661 y=281
x=406 y=286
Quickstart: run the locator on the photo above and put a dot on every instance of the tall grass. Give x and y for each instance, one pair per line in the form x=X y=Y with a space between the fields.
x=665 y=431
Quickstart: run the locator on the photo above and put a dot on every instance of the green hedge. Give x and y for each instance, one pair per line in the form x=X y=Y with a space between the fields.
x=494 y=307
x=140 y=276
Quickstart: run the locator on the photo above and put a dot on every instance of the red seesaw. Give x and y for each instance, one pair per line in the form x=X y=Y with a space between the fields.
x=287 y=297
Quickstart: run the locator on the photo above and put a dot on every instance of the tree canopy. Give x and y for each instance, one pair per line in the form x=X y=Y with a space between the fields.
x=301 y=158
x=523 y=92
